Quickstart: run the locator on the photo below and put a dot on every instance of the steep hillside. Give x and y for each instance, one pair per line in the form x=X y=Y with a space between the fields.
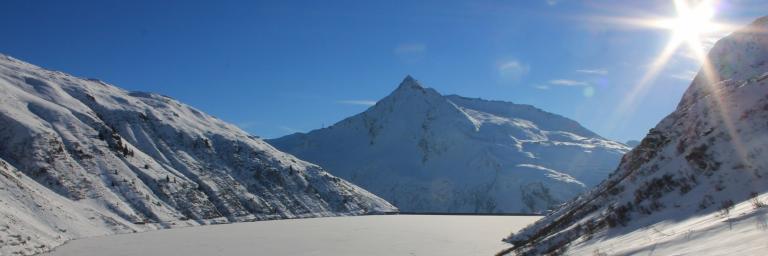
x=696 y=185
x=81 y=157
x=427 y=152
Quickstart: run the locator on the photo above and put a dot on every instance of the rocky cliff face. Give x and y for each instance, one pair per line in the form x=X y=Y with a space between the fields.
x=80 y=157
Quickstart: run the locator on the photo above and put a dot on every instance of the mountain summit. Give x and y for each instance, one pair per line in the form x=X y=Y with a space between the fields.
x=409 y=82
x=426 y=152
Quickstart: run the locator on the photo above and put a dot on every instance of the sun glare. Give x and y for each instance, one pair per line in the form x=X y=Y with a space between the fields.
x=691 y=29
x=691 y=24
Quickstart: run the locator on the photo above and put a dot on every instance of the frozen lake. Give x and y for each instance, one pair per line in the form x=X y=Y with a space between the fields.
x=364 y=235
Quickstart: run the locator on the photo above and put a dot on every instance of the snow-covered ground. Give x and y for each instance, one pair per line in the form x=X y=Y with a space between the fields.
x=364 y=235
x=742 y=231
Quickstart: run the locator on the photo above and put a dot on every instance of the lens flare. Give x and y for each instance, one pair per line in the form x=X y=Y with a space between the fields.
x=689 y=29
x=691 y=22
x=692 y=26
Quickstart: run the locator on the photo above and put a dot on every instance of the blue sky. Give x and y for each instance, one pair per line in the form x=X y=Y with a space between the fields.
x=277 y=67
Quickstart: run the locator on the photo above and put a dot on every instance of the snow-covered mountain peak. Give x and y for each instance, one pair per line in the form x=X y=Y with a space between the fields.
x=409 y=85
x=410 y=88
x=737 y=57
x=424 y=151
x=410 y=82
x=740 y=55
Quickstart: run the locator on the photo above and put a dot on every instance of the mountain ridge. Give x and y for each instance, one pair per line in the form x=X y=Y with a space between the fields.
x=405 y=149
x=81 y=157
x=696 y=184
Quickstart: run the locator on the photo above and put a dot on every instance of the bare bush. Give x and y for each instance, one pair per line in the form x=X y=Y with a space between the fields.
x=726 y=207
x=597 y=252
x=756 y=203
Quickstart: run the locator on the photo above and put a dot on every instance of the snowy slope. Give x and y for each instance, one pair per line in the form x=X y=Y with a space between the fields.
x=696 y=185
x=81 y=158
x=423 y=151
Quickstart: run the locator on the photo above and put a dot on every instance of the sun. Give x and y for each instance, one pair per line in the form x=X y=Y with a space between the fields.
x=692 y=25
x=693 y=22
x=692 y=28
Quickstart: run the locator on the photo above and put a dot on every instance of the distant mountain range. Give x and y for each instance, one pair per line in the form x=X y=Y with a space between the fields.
x=426 y=152
x=696 y=185
x=80 y=157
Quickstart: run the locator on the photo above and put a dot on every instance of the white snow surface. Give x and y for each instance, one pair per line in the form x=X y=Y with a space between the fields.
x=743 y=231
x=80 y=157
x=364 y=235
x=696 y=185
x=426 y=152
